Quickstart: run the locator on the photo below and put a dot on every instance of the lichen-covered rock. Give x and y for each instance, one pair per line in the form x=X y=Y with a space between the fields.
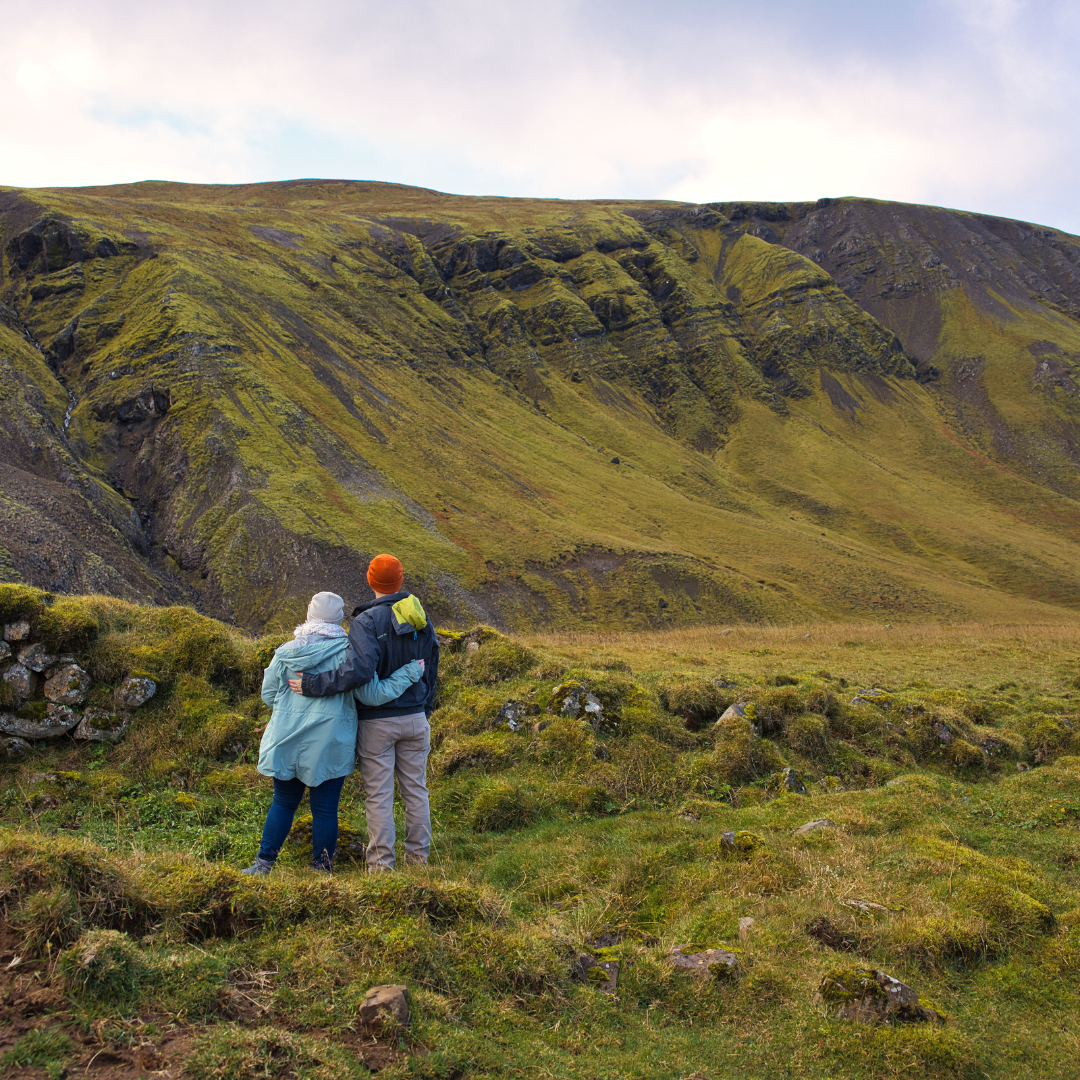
x=872 y=696
x=511 y=717
x=35 y=657
x=100 y=725
x=22 y=680
x=134 y=691
x=49 y=723
x=17 y=631
x=13 y=749
x=741 y=710
x=5 y=651
x=602 y=975
x=870 y=996
x=813 y=826
x=68 y=685
x=786 y=780
x=717 y=962
x=383 y=1004
x=743 y=842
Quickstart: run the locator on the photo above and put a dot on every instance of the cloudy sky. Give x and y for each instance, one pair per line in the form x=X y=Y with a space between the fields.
x=966 y=103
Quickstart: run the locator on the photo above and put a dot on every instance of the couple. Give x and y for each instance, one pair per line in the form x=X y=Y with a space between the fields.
x=332 y=695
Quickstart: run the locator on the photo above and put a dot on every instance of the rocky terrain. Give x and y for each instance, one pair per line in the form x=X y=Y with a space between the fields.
x=578 y=414
x=848 y=852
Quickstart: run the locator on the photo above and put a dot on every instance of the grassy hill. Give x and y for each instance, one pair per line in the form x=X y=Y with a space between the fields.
x=945 y=759
x=577 y=414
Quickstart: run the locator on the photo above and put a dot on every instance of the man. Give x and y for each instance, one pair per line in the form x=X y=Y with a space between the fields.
x=393 y=739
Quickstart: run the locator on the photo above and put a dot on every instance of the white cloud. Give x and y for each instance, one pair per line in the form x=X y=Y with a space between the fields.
x=565 y=98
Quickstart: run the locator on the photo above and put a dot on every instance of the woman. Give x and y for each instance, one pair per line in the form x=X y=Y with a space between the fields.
x=310 y=742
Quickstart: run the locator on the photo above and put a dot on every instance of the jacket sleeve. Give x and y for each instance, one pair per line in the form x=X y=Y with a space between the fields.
x=361 y=659
x=431 y=675
x=382 y=691
x=272 y=682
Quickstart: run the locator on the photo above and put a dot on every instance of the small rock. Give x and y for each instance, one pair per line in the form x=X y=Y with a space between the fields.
x=69 y=685
x=540 y=725
x=601 y=753
x=738 y=711
x=13 y=749
x=810 y=826
x=742 y=842
x=22 y=680
x=603 y=975
x=944 y=735
x=831 y=783
x=17 y=631
x=786 y=780
x=1022 y=767
x=35 y=657
x=862 y=994
x=134 y=691
x=722 y=682
x=472 y=647
x=99 y=725
x=511 y=717
x=746 y=924
x=718 y=962
x=58 y=720
x=382 y=1003
x=5 y=651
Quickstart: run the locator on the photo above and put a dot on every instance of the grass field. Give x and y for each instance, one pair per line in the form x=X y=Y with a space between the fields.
x=954 y=793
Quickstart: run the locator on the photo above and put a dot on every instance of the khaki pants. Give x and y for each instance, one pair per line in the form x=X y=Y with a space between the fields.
x=395 y=746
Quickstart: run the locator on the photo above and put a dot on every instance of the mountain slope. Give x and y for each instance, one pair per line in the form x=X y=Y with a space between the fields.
x=603 y=414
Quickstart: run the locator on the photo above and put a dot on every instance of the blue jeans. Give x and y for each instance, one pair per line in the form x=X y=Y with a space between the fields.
x=324 y=801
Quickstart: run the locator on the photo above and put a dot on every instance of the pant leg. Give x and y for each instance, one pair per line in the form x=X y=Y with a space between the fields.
x=377 y=741
x=279 y=818
x=411 y=769
x=324 y=799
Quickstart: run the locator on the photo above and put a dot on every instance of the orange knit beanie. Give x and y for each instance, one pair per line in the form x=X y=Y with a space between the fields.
x=385 y=574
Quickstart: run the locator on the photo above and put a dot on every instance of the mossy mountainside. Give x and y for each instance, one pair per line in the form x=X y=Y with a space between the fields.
x=141 y=949
x=563 y=413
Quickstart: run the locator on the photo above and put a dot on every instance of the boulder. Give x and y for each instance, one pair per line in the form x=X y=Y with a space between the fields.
x=12 y=749
x=385 y=1003
x=35 y=657
x=56 y=720
x=717 y=962
x=17 y=631
x=69 y=685
x=100 y=725
x=603 y=975
x=134 y=691
x=869 y=996
x=812 y=826
x=22 y=680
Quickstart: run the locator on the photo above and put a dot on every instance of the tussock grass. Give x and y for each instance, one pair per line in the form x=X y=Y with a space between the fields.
x=118 y=865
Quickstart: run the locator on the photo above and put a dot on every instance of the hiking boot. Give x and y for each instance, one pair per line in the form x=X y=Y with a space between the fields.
x=259 y=867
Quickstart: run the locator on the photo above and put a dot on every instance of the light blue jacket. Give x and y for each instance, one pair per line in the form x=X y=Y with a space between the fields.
x=313 y=739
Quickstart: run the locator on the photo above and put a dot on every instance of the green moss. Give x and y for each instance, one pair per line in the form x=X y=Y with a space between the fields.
x=502 y=806
x=103 y=964
x=69 y=624
x=22 y=602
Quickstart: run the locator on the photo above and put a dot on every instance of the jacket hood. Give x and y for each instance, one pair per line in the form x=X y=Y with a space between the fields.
x=314 y=649
x=409 y=615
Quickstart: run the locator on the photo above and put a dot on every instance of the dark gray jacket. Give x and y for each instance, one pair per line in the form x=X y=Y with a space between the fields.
x=385 y=634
